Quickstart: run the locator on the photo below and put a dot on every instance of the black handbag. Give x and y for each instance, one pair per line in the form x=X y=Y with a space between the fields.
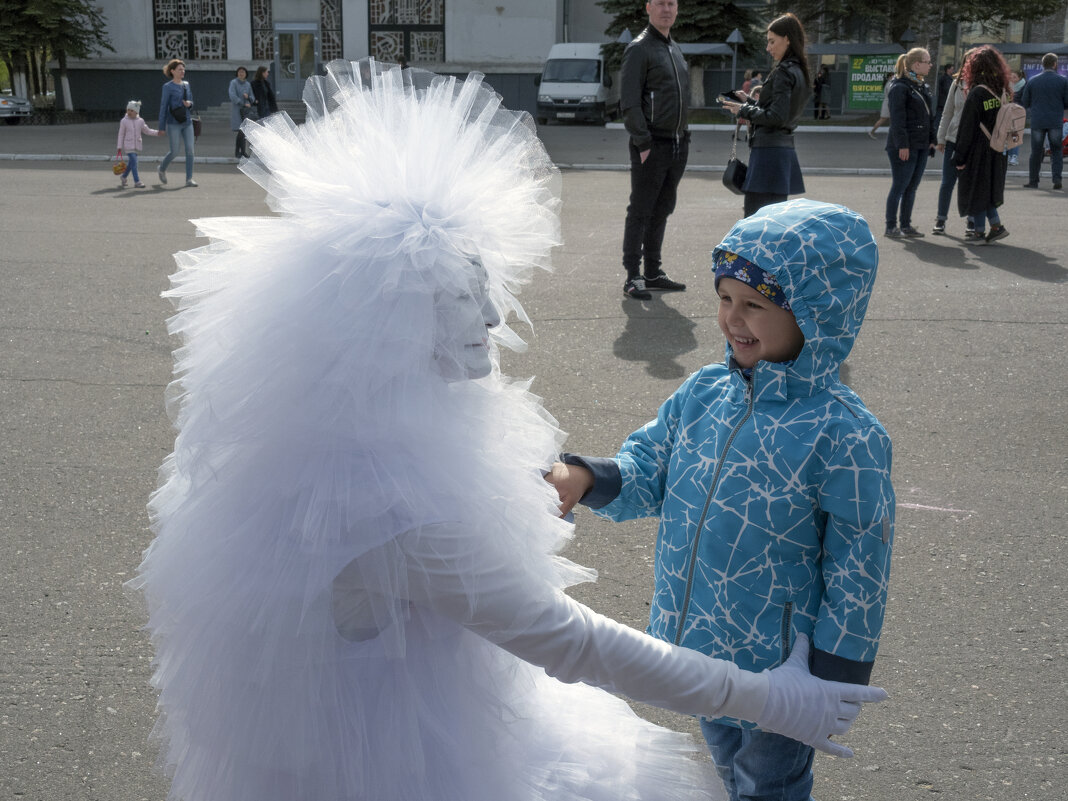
x=178 y=112
x=734 y=174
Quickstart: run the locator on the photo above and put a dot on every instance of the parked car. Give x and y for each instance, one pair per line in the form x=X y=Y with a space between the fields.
x=575 y=86
x=13 y=109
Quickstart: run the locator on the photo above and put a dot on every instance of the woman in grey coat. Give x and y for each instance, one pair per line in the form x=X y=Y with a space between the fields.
x=242 y=101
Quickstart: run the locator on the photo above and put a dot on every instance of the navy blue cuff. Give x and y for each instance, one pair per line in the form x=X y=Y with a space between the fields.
x=607 y=480
x=836 y=668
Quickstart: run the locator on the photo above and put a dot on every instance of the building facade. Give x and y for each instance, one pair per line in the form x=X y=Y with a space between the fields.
x=507 y=40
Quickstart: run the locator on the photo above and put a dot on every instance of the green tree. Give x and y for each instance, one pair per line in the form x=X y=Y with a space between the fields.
x=868 y=20
x=16 y=44
x=71 y=28
x=704 y=21
x=32 y=31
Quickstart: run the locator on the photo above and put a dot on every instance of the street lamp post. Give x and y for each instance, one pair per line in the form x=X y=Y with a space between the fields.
x=734 y=40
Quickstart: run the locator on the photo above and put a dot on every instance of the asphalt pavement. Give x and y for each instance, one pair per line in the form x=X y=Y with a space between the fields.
x=961 y=357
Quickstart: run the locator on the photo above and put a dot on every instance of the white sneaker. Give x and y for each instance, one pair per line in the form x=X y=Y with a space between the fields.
x=191 y=182
x=162 y=175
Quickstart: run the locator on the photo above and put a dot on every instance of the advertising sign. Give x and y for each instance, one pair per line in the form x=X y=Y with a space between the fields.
x=866 y=75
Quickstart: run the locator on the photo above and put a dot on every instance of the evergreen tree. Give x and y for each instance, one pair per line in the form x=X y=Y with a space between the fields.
x=699 y=21
x=868 y=20
x=55 y=28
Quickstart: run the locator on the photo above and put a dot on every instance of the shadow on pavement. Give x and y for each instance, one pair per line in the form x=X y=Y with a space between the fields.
x=1023 y=262
x=936 y=253
x=655 y=334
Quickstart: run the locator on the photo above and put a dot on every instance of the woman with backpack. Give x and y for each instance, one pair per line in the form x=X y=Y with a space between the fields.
x=911 y=140
x=982 y=168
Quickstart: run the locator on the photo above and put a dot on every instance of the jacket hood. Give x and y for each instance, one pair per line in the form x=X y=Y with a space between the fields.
x=825 y=259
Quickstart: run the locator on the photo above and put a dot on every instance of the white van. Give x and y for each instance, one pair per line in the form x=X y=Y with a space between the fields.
x=574 y=85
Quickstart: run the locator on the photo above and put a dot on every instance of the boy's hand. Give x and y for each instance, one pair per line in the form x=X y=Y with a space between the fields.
x=811 y=710
x=572 y=481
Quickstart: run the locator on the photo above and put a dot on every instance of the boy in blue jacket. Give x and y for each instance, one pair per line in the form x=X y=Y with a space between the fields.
x=770 y=477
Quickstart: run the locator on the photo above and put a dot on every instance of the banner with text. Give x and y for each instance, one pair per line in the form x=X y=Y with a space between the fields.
x=866 y=75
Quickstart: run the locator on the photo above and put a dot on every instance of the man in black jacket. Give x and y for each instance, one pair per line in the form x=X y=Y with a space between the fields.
x=654 y=101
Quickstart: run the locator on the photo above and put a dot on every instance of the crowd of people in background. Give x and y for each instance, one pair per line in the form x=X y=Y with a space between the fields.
x=961 y=125
x=953 y=120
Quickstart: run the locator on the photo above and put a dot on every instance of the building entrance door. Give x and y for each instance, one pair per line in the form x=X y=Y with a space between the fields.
x=297 y=55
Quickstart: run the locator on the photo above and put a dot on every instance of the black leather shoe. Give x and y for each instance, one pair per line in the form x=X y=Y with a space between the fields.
x=663 y=283
x=1030 y=186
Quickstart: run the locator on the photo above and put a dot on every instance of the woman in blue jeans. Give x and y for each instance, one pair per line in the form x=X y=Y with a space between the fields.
x=176 y=93
x=911 y=140
x=947 y=145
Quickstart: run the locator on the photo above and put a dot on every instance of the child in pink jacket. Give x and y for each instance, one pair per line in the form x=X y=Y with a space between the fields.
x=130 y=129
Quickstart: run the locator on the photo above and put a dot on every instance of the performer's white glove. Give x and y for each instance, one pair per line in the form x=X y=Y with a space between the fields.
x=810 y=710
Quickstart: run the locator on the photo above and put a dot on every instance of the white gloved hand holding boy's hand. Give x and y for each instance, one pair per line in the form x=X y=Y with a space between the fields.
x=811 y=710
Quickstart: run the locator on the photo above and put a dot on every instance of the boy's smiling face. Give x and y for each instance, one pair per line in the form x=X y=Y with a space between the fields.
x=756 y=327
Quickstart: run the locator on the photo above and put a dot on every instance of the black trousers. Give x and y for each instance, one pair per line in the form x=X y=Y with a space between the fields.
x=653 y=190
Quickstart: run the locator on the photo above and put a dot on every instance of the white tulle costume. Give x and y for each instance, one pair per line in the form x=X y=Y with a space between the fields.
x=353 y=591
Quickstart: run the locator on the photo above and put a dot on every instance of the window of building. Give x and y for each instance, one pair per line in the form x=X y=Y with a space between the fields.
x=262 y=30
x=413 y=30
x=190 y=29
x=330 y=44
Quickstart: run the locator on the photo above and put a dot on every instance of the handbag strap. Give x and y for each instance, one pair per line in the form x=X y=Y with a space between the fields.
x=734 y=145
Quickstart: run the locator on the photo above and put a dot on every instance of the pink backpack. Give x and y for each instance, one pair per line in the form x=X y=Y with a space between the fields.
x=1008 y=126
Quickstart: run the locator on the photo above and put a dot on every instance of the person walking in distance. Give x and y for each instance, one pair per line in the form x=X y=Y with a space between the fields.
x=1046 y=97
x=175 y=119
x=654 y=100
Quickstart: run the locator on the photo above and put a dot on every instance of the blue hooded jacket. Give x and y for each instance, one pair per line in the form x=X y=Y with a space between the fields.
x=773 y=491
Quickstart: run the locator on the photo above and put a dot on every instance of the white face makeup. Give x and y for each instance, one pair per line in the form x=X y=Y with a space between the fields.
x=462 y=322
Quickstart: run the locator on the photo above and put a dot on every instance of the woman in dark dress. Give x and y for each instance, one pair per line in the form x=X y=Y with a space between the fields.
x=774 y=172
x=982 y=169
x=821 y=108
x=261 y=87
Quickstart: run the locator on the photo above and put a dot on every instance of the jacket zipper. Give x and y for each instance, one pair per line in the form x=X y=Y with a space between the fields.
x=652 y=105
x=678 y=88
x=750 y=399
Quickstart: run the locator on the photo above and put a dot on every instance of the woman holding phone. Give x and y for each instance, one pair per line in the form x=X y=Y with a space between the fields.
x=774 y=172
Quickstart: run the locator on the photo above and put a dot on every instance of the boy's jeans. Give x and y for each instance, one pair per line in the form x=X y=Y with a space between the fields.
x=760 y=766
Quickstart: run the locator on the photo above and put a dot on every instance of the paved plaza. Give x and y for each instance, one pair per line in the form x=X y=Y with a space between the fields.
x=961 y=357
